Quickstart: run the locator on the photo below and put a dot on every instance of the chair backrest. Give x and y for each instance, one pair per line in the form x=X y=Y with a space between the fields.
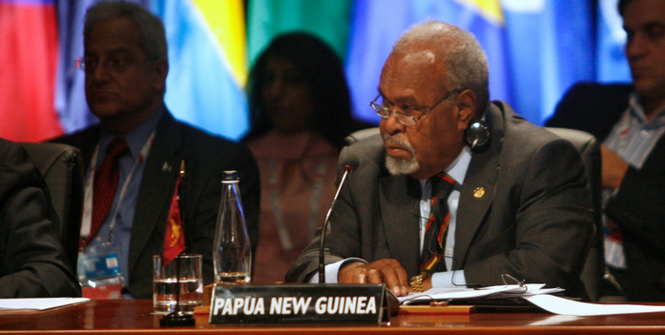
x=62 y=168
x=360 y=134
x=589 y=149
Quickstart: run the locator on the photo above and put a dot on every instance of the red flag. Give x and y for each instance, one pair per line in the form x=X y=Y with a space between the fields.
x=174 y=241
x=29 y=35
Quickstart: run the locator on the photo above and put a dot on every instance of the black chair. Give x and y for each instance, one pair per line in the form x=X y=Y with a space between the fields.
x=62 y=168
x=589 y=149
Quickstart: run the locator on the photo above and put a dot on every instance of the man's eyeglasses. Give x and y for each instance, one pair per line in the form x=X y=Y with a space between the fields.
x=115 y=64
x=404 y=118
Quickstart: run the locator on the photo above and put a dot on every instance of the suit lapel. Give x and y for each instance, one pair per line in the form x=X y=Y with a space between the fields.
x=399 y=215
x=87 y=143
x=157 y=186
x=478 y=189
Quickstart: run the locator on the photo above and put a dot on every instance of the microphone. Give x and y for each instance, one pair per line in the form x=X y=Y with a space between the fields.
x=350 y=164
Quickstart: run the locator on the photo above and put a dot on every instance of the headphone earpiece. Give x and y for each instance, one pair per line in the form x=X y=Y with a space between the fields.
x=477 y=136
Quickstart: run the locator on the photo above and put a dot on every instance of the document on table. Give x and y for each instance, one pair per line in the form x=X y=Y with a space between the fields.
x=533 y=293
x=498 y=291
x=38 y=303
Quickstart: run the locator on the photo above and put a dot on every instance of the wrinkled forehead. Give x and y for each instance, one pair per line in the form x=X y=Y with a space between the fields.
x=419 y=70
x=113 y=33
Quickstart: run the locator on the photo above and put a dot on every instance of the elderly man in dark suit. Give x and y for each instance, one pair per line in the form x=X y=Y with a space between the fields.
x=630 y=120
x=126 y=65
x=518 y=205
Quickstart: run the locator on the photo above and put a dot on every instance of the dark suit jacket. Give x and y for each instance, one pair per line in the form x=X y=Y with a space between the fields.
x=32 y=262
x=206 y=157
x=533 y=221
x=591 y=107
x=639 y=206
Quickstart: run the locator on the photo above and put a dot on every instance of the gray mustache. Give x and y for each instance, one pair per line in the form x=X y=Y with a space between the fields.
x=396 y=141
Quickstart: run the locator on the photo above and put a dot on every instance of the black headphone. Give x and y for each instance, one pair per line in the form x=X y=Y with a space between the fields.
x=477 y=136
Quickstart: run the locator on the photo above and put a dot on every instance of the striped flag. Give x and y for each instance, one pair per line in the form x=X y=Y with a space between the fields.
x=29 y=48
x=328 y=20
x=208 y=66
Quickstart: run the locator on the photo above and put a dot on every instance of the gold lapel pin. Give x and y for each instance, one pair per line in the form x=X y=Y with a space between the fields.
x=479 y=192
x=166 y=167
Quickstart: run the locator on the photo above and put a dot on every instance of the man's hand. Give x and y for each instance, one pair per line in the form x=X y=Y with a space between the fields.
x=613 y=168
x=387 y=271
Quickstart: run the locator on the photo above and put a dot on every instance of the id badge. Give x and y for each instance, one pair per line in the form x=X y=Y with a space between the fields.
x=98 y=272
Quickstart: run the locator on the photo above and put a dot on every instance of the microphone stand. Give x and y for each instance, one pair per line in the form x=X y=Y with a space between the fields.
x=348 y=168
x=392 y=305
x=178 y=318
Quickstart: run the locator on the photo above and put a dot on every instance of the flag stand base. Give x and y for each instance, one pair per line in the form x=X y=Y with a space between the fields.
x=177 y=319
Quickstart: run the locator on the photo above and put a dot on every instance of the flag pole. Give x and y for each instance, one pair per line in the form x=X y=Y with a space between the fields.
x=178 y=318
x=177 y=264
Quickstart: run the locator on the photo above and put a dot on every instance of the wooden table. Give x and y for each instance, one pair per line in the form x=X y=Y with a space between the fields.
x=135 y=317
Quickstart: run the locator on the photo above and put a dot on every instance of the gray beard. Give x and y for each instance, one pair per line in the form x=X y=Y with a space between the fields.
x=397 y=166
x=401 y=166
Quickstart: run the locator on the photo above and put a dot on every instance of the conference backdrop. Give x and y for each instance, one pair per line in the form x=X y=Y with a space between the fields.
x=536 y=50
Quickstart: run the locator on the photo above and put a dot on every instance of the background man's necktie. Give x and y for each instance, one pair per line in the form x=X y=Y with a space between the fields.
x=105 y=185
x=437 y=225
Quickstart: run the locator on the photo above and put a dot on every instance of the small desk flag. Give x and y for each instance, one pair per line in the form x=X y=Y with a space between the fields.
x=174 y=240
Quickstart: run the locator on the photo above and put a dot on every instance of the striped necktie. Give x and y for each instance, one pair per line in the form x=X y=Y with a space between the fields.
x=437 y=224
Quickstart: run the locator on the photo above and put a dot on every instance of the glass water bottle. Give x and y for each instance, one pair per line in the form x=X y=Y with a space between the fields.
x=232 y=253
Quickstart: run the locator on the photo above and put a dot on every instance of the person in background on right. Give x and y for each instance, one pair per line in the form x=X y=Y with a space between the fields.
x=300 y=113
x=630 y=122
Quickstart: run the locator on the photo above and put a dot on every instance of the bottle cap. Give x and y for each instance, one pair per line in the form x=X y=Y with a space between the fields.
x=230 y=175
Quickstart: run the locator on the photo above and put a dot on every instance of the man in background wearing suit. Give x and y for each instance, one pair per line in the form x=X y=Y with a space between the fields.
x=630 y=120
x=519 y=204
x=126 y=65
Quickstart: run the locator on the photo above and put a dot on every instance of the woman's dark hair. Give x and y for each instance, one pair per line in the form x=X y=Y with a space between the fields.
x=323 y=73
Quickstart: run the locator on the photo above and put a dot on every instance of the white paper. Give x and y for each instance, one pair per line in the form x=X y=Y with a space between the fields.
x=565 y=306
x=535 y=294
x=38 y=303
x=468 y=293
x=549 y=320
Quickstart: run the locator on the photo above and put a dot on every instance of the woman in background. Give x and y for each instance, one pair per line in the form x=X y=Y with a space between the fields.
x=300 y=112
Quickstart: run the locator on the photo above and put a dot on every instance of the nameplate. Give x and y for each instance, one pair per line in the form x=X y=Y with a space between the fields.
x=299 y=304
